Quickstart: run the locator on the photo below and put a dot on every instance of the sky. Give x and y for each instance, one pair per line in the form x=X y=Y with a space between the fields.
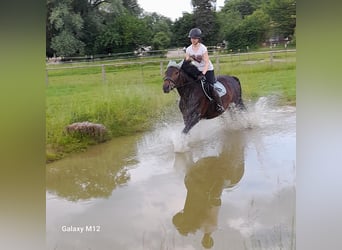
x=170 y=8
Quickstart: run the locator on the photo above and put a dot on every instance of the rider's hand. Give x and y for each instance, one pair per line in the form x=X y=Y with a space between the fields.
x=201 y=77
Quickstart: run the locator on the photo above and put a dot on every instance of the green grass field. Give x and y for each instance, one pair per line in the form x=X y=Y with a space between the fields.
x=130 y=99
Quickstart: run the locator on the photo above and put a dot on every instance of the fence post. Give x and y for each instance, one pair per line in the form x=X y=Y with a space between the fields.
x=103 y=73
x=286 y=52
x=142 y=72
x=217 y=64
x=161 y=68
x=271 y=58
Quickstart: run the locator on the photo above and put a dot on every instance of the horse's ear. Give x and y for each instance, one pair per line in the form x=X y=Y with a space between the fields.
x=173 y=64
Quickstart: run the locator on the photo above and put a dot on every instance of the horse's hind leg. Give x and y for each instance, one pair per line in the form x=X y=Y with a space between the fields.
x=241 y=110
x=241 y=106
x=232 y=108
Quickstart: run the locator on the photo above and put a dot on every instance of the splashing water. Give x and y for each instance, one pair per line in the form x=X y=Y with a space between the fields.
x=263 y=114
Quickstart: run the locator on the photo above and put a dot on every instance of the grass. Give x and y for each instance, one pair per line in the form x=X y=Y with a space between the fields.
x=130 y=99
x=124 y=104
x=263 y=80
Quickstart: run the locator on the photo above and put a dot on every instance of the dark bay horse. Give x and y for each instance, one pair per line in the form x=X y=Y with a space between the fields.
x=194 y=104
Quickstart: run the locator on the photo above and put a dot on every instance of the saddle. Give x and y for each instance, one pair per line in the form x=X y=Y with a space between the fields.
x=218 y=86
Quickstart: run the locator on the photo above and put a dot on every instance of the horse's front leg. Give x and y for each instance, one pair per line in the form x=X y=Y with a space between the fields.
x=191 y=120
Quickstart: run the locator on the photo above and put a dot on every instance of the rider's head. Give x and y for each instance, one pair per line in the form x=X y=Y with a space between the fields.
x=195 y=33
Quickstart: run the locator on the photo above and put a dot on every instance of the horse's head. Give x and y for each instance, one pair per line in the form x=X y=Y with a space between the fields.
x=171 y=78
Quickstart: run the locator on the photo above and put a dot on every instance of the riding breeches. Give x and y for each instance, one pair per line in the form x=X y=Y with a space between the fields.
x=210 y=77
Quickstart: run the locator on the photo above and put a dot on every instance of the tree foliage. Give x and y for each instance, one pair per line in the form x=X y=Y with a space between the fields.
x=205 y=18
x=243 y=7
x=282 y=15
x=250 y=32
x=88 y=27
x=253 y=22
x=180 y=30
x=68 y=26
x=161 y=40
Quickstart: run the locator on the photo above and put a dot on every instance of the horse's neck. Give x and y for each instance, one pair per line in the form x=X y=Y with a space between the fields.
x=187 y=88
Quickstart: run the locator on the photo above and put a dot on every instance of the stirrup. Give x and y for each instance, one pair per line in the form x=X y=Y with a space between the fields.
x=219 y=108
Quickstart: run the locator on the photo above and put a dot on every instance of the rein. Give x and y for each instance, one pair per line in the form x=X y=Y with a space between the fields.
x=174 y=84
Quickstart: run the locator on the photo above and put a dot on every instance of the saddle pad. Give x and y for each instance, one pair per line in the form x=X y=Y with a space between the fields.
x=221 y=90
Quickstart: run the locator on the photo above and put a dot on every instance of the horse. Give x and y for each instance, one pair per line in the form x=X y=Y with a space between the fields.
x=195 y=104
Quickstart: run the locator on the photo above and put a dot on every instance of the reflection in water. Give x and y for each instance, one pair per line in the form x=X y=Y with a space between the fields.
x=205 y=181
x=233 y=189
x=92 y=175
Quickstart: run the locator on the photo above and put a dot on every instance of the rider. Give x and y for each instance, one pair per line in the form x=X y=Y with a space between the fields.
x=198 y=52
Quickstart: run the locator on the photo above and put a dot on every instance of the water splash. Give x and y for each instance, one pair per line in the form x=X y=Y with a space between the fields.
x=205 y=137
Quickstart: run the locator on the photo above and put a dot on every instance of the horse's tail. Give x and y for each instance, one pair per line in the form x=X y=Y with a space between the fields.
x=239 y=103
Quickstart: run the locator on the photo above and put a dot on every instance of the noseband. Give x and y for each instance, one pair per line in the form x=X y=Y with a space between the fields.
x=171 y=81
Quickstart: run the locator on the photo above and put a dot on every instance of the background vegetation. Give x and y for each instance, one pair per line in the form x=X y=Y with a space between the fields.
x=92 y=27
x=130 y=99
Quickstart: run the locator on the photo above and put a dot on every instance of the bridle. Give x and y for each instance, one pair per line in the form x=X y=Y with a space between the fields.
x=173 y=83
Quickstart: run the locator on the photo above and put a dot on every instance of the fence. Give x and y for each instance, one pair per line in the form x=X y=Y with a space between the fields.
x=216 y=58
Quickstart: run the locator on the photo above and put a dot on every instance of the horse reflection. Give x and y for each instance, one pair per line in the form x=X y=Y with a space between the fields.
x=205 y=181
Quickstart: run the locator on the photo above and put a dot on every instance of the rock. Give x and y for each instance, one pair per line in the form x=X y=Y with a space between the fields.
x=93 y=130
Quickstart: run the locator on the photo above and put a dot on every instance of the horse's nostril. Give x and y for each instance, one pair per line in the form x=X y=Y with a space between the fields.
x=166 y=89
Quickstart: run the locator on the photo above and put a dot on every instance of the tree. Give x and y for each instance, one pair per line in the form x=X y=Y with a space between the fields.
x=180 y=30
x=228 y=21
x=158 y=23
x=243 y=7
x=255 y=28
x=79 y=27
x=80 y=19
x=160 y=41
x=66 y=44
x=133 y=7
x=282 y=17
x=68 y=27
x=50 y=29
x=81 y=23
x=294 y=37
x=123 y=34
x=160 y=28
x=250 y=32
x=205 y=19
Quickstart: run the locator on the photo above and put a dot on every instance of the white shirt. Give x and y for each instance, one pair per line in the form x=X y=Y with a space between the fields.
x=198 y=56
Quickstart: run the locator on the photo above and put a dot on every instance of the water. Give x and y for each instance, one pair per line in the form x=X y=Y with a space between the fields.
x=229 y=184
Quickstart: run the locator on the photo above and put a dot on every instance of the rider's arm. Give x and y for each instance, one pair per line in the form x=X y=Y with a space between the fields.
x=187 y=57
x=206 y=61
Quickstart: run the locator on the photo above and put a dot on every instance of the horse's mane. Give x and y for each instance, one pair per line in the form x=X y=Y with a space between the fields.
x=190 y=69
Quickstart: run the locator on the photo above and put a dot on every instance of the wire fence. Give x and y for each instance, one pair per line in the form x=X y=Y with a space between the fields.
x=218 y=58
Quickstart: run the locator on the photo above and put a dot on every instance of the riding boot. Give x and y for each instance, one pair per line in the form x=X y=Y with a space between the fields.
x=218 y=100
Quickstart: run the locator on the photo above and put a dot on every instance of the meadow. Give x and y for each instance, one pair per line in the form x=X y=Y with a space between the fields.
x=130 y=99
